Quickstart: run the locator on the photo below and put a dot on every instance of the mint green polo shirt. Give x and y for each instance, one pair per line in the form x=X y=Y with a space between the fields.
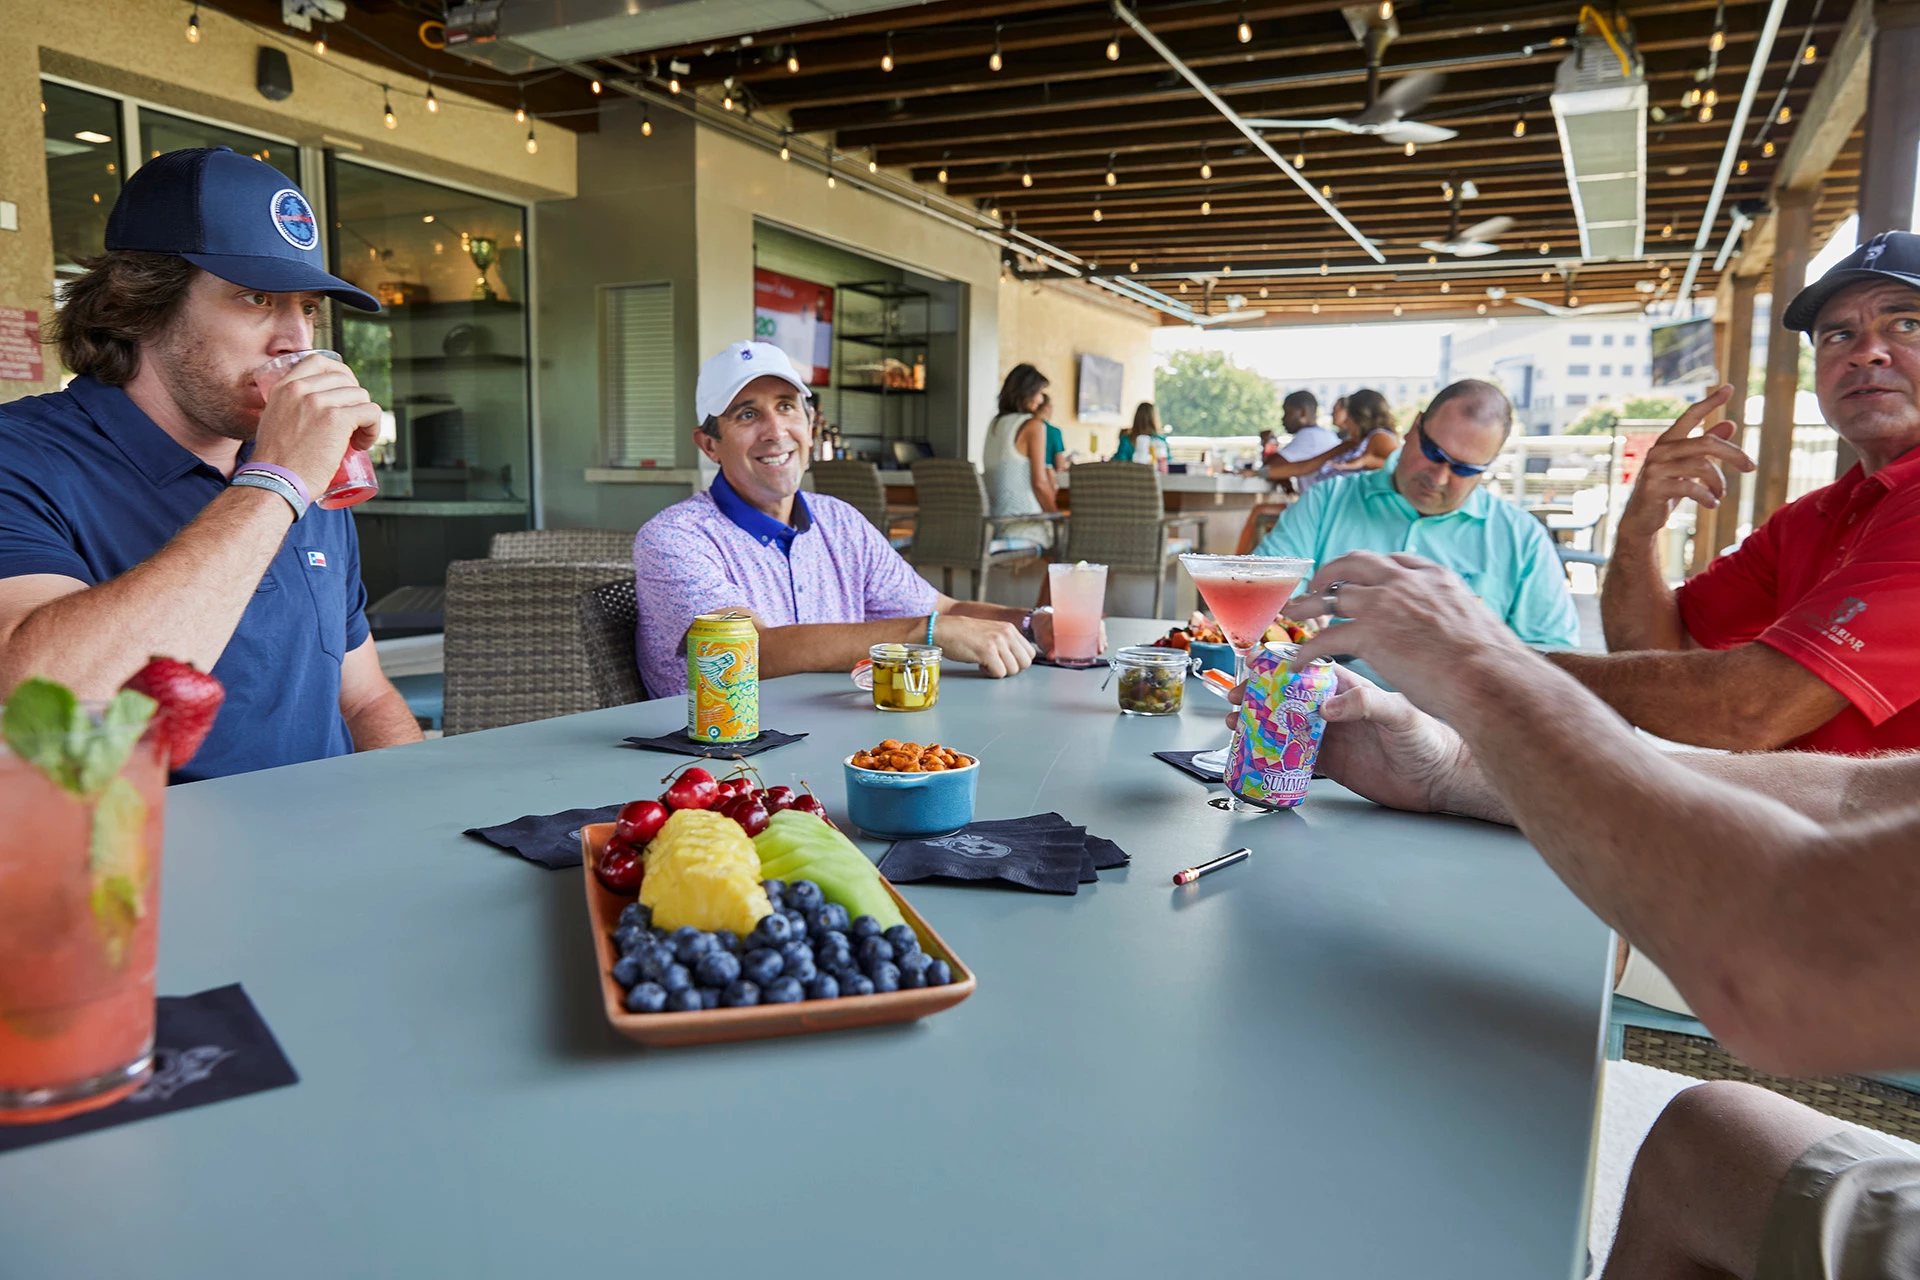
x=1503 y=553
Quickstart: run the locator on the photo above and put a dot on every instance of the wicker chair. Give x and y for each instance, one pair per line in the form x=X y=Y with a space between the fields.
x=609 y=618
x=564 y=546
x=1120 y=520
x=953 y=530
x=515 y=646
x=858 y=484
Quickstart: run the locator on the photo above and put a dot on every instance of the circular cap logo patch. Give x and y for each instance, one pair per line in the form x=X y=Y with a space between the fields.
x=293 y=219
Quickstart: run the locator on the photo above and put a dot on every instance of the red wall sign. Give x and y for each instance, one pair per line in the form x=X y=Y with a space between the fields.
x=20 y=346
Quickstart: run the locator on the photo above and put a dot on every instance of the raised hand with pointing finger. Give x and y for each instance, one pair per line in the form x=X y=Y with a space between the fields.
x=1683 y=465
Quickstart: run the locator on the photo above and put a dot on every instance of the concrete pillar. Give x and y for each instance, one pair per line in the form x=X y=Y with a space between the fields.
x=1739 y=371
x=1792 y=248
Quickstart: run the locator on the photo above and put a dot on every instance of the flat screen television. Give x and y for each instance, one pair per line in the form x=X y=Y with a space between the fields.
x=1101 y=381
x=1683 y=353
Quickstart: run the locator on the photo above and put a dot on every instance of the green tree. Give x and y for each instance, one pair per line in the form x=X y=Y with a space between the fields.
x=1757 y=369
x=1601 y=419
x=1202 y=393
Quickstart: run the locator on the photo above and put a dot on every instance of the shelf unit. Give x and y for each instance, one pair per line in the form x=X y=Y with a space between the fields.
x=883 y=322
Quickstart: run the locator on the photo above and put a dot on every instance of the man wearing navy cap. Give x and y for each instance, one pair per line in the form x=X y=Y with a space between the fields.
x=159 y=505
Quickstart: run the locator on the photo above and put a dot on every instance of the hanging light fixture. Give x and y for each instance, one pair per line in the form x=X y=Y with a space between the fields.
x=1666 y=231
x=1183 y=286
x=595 y=86
x=1574 y=300
x=994 y=60
x=1407 y=150
x=1397 y=308
x=1785 y=116
x=1809 y=53
x=1706 y=114
x=433 y=103
x=1206 y=207
x=1718 y=40
x=1113 y=179
x=831 y=182
x=1691 y=98
x=533 y=143
x=1432 y=259
x=1545 y=276
x=1545 y=248
x=786 y=150
x=1326 y=189
x=520 y=112
x=1445 y=287
x=320 y=42
x=1263 y=291
x=1300 y=151
x=1113 y=44
x=1710 y=98
x=941 y=176
x=886 y=59
x=1226 y=269
x=1206 y=167
x=1353 y=291
x=1026 y=175
x=1097 y=215
x=1243 y=32
x=793 y=60
x=1315 y=308
x=1741 y=167
x=1520 y=126
x=1446 y=190
x=646 y=126
x=1766 y=148
x=1666 y=273
x=386 y=109
x=1323 y=266
x=1134 y=267
x=193 y=26
x=873 y=165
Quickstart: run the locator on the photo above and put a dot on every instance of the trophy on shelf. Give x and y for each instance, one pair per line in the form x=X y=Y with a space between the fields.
x=483 y=250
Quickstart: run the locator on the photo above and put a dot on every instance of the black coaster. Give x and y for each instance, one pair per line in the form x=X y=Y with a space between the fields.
x=550 y=839
x=678 y=743
x=207 y=1048
x=1183 y=761
x=1097 y=664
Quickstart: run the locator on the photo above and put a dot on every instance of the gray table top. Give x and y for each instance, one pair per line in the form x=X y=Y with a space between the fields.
x=1373 y=1050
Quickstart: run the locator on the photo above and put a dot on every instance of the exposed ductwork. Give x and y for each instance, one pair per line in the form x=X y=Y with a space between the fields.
x=1600 y=106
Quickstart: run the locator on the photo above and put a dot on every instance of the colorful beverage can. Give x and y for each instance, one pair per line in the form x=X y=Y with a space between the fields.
x=723 y=679
x=1271 y=759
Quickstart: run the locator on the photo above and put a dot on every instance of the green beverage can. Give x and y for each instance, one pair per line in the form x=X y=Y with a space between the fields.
x=723 y=678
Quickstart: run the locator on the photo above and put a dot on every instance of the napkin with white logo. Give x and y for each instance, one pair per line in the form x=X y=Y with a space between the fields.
x=1044 y=852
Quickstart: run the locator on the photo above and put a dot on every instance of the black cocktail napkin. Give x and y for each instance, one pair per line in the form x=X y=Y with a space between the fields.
x=1045 y=852
x=680 y=744
x=1183 y=761
x=207 y=1048
x=1098 y=664
x=550 y=839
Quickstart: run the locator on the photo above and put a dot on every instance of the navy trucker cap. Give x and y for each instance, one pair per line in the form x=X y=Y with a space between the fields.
x=1891 y=255
x=239 y=218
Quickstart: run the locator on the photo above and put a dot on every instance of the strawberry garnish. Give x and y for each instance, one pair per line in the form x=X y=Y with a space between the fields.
x=189 y=700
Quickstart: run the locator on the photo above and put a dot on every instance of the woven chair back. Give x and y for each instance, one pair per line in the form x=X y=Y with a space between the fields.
x=609 y=621
x=561 y=546
x=1117 y=511
x=855 y=483
x=515 y=647
x=950 y=530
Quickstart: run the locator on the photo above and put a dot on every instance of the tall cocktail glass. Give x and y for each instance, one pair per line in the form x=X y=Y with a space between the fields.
x=354 y=482
x=1245 y=594
x=1079 y=595
x=79 y=923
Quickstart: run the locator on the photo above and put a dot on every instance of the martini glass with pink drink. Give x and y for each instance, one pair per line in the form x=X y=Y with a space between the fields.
x=1245 y=594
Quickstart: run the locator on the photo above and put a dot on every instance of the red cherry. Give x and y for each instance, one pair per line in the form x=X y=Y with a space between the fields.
x=639 y=822
x=778 y=799
x=620 y=869
x=694 y=789
x=733 y=788
x=810 y=803
x=751 y=814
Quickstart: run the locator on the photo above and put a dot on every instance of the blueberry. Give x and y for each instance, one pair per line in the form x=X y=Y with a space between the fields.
x=761 y=965
x=864 y=927
x=903 y=939
x=717 y=969
x=795 y=949
x=647 y=997
x=912 y=979
x=885 y=975
x=784 y=991
x=676 y=979
x=771 y=931
x=655 y=960
x=626 y=971
x=801 y=968
x=827 y=954
x=776 y=889
x=915 y=961
x=830 y=916
x=824 y=987
x=727 y=940
x=688 y=950
x=627 y=937
x=873 y=951
x=739 y=995
x=796 y=922
x=804 y=894
x=635 y=913
x=709 y=997
x=939 y=974
x=684 y=932
x=687 y=1001
x=856 y=984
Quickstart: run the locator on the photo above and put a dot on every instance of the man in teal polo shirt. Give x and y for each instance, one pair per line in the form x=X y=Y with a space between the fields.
x=1428 y=500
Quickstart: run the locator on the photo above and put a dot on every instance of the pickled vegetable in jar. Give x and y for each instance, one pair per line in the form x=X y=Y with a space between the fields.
x=1153 y=681
x=906 y=677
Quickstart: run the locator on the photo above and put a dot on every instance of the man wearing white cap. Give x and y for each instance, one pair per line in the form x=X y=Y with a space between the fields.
x=822 y=583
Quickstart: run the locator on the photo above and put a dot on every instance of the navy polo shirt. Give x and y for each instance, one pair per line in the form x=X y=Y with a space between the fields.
x=91 y=487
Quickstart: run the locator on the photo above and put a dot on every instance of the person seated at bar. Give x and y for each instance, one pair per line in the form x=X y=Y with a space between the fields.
x=1429 y=501
x=1056 y=441
x=821 y=582
x=1776 y=888
x=1144 y=441
x=1366 y=440
x=1807 y=635
x=1016 y=467
x=159 y=505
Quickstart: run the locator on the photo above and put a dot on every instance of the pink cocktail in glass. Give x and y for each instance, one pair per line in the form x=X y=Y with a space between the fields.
x=1246 y=594
x=354 y=481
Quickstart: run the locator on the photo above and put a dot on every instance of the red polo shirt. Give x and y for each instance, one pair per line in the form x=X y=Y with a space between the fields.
x=1833 y=582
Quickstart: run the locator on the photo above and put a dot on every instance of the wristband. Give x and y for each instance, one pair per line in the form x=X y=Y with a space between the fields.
x=273 y=484
x=291 y=477
x=930 y=618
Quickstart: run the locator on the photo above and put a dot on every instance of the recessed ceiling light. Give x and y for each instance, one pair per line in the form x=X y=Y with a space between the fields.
x=88 y=135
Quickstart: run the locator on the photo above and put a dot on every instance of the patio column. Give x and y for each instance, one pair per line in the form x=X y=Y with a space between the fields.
x=1891 y=147
x=1792 y=248
x=1726 y=527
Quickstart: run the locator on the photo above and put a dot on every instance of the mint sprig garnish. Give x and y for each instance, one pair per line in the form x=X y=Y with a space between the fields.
x=45 y=725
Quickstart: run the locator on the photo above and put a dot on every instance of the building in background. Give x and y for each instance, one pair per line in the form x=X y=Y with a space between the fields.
x=1556 y=369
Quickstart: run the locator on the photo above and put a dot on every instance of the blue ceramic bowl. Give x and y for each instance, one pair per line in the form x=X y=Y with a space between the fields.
x=1214 y=657
x=907 y=806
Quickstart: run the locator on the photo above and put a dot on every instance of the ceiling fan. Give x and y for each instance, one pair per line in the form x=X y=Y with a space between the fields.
x=1590 y=309
x=1237 y=310
x=1386 y=114
x=1476 y=241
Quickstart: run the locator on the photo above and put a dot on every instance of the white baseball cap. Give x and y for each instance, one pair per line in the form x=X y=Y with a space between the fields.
x=722 y=376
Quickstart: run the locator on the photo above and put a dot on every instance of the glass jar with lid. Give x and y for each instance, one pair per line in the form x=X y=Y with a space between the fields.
x=1153 y=680
x=906 y=677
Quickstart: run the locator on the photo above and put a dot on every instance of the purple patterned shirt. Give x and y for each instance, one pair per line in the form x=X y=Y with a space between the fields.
x=691 y=559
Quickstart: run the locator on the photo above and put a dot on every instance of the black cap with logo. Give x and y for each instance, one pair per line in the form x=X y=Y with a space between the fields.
x=1891 y=255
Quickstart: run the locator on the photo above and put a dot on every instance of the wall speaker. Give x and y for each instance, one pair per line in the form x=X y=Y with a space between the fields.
x=272 y=74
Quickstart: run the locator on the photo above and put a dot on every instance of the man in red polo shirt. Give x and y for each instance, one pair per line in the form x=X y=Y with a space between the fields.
x=1808 y=635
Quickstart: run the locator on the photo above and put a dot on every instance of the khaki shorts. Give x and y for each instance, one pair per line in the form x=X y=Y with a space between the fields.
x=1849 y=1209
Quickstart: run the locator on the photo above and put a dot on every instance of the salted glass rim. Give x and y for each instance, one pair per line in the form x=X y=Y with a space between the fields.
x=1199 y=563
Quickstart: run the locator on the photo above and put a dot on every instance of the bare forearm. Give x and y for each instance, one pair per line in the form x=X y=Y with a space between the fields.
x=831 y=646
x=1638 y=610
x=183 y=602
x=981 y=609
x=382 y=720
x=1696 y=696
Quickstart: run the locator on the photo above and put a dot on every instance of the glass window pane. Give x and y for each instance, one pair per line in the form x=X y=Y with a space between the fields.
x=83 y=171
x=161 y=133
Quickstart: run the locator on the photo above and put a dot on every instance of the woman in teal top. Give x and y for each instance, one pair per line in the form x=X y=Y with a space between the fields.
x=1056 y=443
x=1146 y=423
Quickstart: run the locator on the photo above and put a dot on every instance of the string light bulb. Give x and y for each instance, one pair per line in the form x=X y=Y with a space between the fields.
x=1408 y=149
x=831 y=184
x=1574 y=300
x=1206 y=166
x=1300 y=155
x=1706 y=114
x=941 y=176
x=1717 y=41
x=1243 y=33
x=595 y=87
x=1545 y=248
x=1323 y=266
x=1326 y=189
x=886 y=59
x=433 y=103
x=1206 y=208
x=520 y=112
x=1397 y=309
x=646 y=125
x=726 y=101
x=193 y=26
x=1766 y=148
x=793 y=62
x=786 y=152
x=1691 y=98
x=1353 y=291
x=1446 y=190
x=1546 y=276
x=1113 y=46
x=1520 y=126
x=1386 y=10
x=994 y=60
x=320 y=42
x=1113 y=179
x=1809 y=53
x=1741 y=167
x=1710 y=98
x=1226 y=269
x=1315 y=308
x=1097 y=215
x=1445 y=287
x=873 y=165
x=1134 y=267
x=533 y=143
x=1263 y=291
x=673 y=84
x=1666 y=231
x=386 y=108
x=1786 y=115
x=1481 y=309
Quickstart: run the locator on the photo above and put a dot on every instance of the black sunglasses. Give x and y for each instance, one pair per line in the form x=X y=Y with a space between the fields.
x=1434 y=453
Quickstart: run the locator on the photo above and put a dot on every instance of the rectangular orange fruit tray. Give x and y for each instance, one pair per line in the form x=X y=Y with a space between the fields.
x=758 y=1022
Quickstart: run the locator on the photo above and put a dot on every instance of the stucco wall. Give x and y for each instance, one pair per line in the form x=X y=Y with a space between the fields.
x=1050 y=326
x=138 y=48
